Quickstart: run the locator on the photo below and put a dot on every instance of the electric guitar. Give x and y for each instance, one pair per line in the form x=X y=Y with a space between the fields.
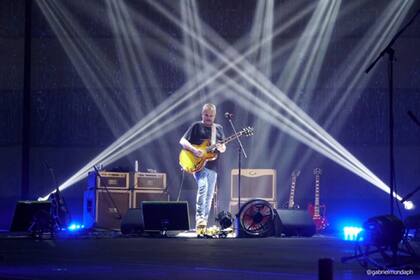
x=316 y=210
x=290 y=204
x=190 y=163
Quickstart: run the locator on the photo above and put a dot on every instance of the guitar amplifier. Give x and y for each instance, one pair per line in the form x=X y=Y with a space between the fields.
x=150 y=181
x=105 y=209
x=255 y=183
x=148 y=195
x=110 y=180
x=233 y=205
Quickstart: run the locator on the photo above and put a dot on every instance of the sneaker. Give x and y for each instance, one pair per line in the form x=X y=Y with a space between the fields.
x=201 y=231
x=201 y=227
x=212 y=232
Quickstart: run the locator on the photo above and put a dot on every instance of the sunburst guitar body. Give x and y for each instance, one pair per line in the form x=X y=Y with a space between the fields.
x=190 y=163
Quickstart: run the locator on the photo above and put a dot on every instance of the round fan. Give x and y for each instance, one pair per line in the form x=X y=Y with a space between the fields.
x=256 y=219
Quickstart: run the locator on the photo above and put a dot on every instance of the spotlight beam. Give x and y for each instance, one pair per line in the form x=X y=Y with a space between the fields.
x=162 y=109
x=291 y=108
x=353 y=77
x=87 y=59
x=320 y=146
x=131 y=51
x=307 y=58
x=176 y=99
x=275 y=118
x=140 y=127
x=296 y=131
x=179 y=118
x=154 y=133
x=392 y=17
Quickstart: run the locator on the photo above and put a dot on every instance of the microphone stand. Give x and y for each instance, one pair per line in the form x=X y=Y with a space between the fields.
x=241 y=151
x=391 y=55
x=405 y=198
x=180 y=185
x=413 y=118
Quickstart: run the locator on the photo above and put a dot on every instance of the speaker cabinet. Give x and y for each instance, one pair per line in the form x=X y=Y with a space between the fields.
x=148 y=195
x=163 y=216
x=26 y=212
x=105 y=209
x=255 y=183
x=293 y=222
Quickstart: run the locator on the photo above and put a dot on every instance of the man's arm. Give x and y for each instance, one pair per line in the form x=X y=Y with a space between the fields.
x=188 y=146
x=221 y=147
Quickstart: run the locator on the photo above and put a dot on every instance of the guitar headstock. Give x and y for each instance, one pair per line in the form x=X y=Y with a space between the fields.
x=295 y=173
x=317 y=171
x=247 y=131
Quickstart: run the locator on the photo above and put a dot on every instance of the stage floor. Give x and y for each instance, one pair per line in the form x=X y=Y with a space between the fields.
x=111 y=256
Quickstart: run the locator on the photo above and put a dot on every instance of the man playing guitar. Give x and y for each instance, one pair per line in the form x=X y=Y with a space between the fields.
x=197 y=133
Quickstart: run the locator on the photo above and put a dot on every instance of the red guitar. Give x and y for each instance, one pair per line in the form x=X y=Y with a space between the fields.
x=316 y=210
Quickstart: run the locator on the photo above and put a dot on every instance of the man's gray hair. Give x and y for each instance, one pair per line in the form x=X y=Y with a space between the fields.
x=209 y=106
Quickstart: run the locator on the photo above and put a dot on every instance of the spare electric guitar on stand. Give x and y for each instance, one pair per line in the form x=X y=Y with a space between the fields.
x=290 y=204
x=190 y=163
x=318 y=210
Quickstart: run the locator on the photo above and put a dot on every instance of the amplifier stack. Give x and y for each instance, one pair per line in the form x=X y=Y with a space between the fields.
x=109 y=195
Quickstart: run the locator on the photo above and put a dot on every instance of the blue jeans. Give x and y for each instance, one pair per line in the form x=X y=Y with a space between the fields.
x=206 y=182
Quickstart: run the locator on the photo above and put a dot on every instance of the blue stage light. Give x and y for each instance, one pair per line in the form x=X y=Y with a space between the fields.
x=75 y=227
x=352 y=232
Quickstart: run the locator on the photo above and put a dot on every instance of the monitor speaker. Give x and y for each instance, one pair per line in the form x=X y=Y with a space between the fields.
x=165 y=215
x=29 y=212
x=132 y=222
x=294 y=222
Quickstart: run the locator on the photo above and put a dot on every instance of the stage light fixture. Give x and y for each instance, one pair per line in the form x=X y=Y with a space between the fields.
x=408 y=205
x=75 y=227
x=225 y=219
x=351 y=233
x=383 y=244
x=382 y=231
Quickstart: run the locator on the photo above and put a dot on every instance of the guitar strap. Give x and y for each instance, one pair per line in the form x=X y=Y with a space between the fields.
x=213 y=135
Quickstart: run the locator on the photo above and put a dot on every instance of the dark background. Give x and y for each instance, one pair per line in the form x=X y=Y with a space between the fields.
x=69 y=127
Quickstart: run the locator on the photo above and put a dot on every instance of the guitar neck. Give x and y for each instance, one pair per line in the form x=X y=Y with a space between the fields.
x=231 y=138
x=226 y=140
x=292 y=193
x=316 y=204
